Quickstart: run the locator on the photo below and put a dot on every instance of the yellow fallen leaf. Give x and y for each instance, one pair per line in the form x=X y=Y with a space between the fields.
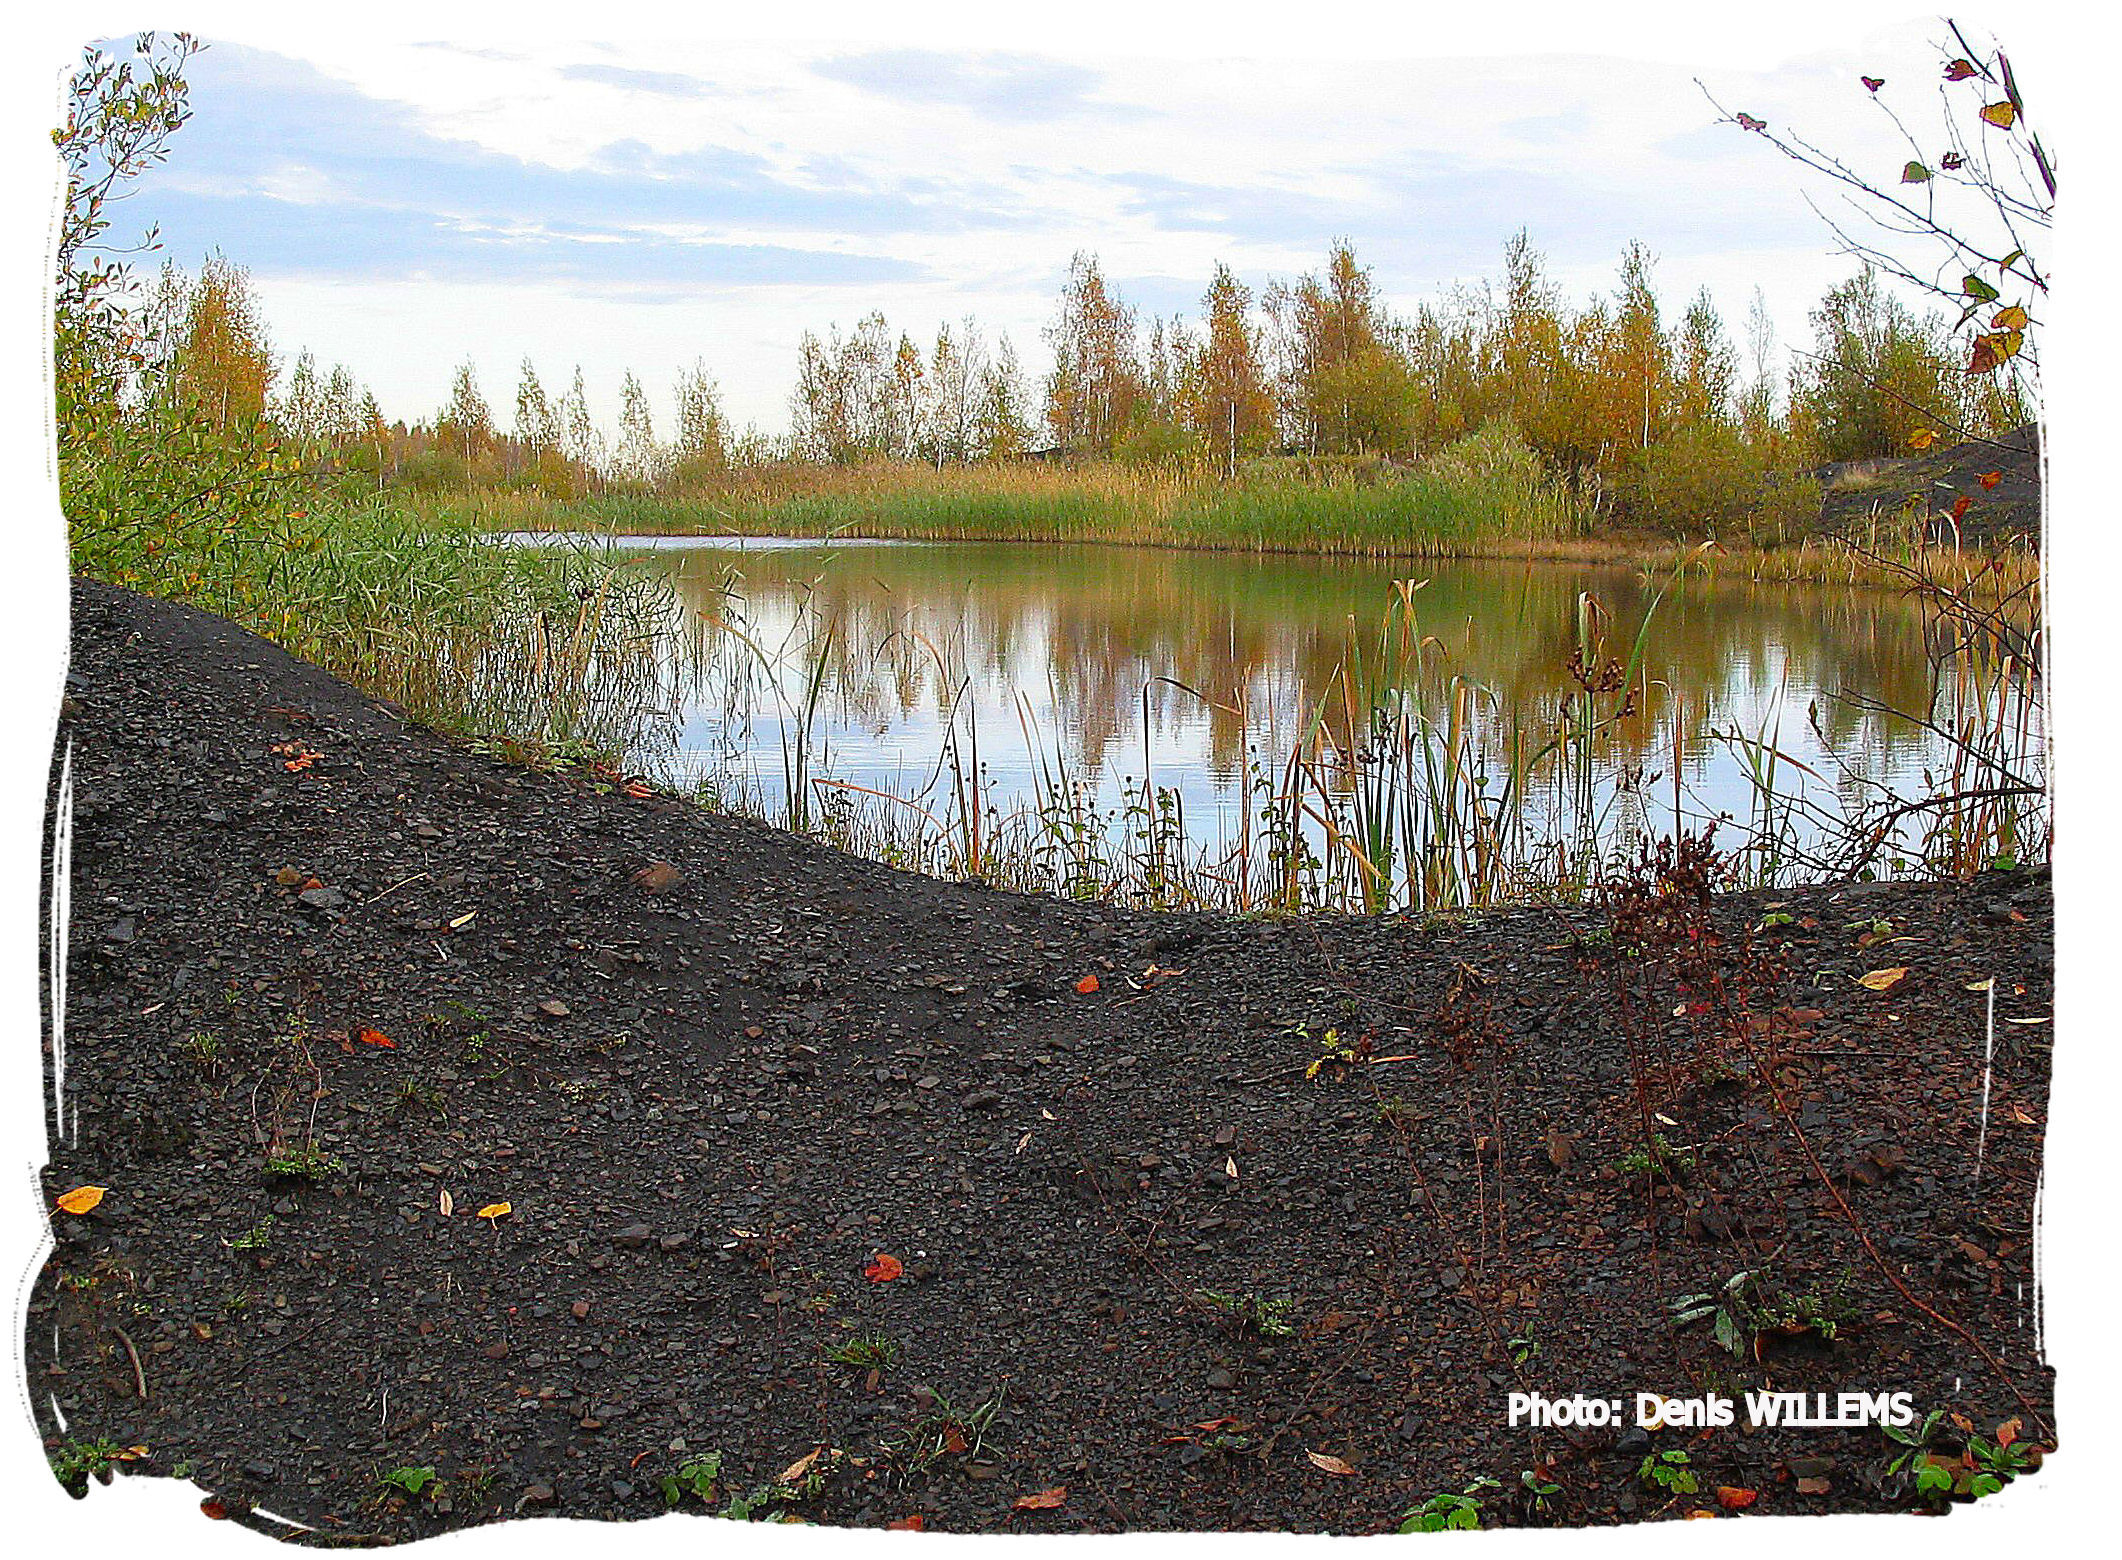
x=463 y=921
x=1883 y=980
x=2001 y=114
x=81 y=1199
x=446 y=1203
x=2013 y=318
x=497 y=1210
x=1332 y=1465
x=800 y=1466
x=1982 y=985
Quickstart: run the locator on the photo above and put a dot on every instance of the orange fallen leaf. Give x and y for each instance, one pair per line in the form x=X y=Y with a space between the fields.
x=377 y=1037
x=499 y=1210
x=801 y=1466
x=1332 y=1465
x=2008 y=1432
x=214 y=1510
x=1087 y=984
x=1990 y=479
x=1883 y=980
x=1701 y=1515
x=913 y=1524
x=1045 y=1500
x=81 y=1199
x=883 y=1268
x=1732 y=1498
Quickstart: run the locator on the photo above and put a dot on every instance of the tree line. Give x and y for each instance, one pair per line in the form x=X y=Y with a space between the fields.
x=1649 y=413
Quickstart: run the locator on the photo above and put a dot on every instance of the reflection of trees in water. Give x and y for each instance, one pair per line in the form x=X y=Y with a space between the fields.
x=1095 y=625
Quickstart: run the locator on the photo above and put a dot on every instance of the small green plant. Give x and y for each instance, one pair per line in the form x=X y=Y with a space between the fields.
x=1393 y=1112
x=1821 y=1313
x=407 y=1481
x=204 y=1051
x=1268 y=1318
x=1524 y=1348
x=1333 y=1050
x=307 y=1162
x=1540 y=1491
x=871 y=1351
x=759 y=1503
x=696 y=1478
x=943 y=1429
x=477 y=1477
x=1660 y=1156
x=415 y=1095
x=257 y=1238
x=1913 y=1440
x=1449 y=1513
x=76 y=1462
x=1668 y=1471
x=1751 y=1302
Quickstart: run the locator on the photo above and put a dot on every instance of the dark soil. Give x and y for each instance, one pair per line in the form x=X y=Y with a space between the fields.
x=713 y=1097
x=2001 y=512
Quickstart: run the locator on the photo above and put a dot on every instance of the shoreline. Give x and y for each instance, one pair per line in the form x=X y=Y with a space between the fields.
x=1772 y=566
x=1266 y=1191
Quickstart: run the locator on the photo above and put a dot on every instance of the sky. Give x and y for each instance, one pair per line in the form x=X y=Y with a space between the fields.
x=405 y=206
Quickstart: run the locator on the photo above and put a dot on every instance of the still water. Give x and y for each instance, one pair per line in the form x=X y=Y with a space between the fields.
x=902 y=669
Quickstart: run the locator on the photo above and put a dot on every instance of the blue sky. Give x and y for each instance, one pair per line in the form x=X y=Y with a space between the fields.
x=410 y=205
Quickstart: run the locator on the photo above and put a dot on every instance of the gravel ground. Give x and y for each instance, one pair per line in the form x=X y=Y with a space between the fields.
x=849 y=1177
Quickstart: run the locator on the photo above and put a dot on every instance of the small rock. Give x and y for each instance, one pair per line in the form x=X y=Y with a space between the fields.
x=634 y=1236
x=553 y=1007
x=322 y=898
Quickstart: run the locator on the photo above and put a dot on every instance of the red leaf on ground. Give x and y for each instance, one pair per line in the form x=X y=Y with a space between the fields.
x=913 y=1524
x=1087 y=984
x=1045 y=1500
x=377 y=1037
x=883 y=1268
x=1733 y=1499
x=214 y=1509
x=1990 y=479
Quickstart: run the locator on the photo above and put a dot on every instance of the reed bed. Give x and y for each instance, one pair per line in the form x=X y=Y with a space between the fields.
x=548 y=652
x=1409 y=785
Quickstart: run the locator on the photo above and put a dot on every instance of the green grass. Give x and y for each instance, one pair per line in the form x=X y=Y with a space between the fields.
x=553 y=649
x=1487 y=494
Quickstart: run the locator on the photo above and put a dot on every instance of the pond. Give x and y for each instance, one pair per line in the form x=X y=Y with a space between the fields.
x=1120 y=712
